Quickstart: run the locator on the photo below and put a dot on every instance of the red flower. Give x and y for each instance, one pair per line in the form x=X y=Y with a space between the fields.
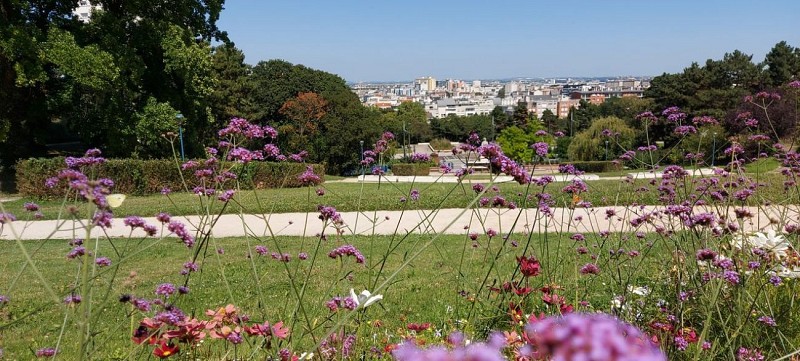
x=529 y=266
x=522 y=291
x=418 y=327
x=165 y=350
x=688 y=334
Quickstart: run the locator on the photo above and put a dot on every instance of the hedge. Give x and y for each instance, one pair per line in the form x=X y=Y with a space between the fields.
x=411 y=169
x=596 y=166
x=141 y=177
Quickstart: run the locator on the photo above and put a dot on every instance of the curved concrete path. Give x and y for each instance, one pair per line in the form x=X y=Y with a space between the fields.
x=448 y=221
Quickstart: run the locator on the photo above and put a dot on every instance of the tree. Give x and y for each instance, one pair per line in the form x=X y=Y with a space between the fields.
x=412 y=116
x=455 y=127
x=152 y=125
x=782 y=64
x=93 y=80
x=230 y=96
x=582 y=116
x=590 y=144
x=305 y=110
x=500 y=118
x=515 y=143
x=549 y=119
x=521 y=116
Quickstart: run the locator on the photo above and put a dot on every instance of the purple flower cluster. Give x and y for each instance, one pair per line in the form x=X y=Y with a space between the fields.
x=46 y=352
x=503 y=163
x=180 y=230
x=261 y=250
x=599 y=336
x=347 y=250
x=328 y=213
x=541 y=148
x=674 y=114
x=420 y=158
x=309 y=178
x=492 y=350
x=165 y=289
x=251 y=131
x=102 y=261
x=138 y=222
x=334 y=304
x=7 y=218
x=91 y=157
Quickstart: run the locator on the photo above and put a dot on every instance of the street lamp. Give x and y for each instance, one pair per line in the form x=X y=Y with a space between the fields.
x=606 y=149
x=714 y=149
x=361 y=142
x=180 y=134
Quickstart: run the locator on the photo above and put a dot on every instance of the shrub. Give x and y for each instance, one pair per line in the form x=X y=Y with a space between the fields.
x=140 y=177
x=405 y=169
x=593 y=144
x=441 y=144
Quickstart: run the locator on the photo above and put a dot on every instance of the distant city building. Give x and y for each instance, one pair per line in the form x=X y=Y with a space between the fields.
x=461 y=107
x=84 y=10
x=474 y=97
x=599 y=97
x=564 y=105
x=426 y=84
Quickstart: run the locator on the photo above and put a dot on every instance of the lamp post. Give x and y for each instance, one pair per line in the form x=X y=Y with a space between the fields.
x=180 y=134
x=361 y=142
x=714 y=149
x=606 y=149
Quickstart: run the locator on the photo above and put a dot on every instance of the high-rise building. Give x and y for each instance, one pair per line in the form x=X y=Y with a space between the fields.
x=84 y=10
x=427 y=84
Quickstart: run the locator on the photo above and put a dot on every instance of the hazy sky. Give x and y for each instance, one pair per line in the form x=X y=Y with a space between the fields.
x=471 y=39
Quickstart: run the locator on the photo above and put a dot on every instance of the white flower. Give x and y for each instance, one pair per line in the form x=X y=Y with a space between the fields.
x=641 y=291
x=306 y=356
x=365 y=298
x=783 y=272
x=771 y=242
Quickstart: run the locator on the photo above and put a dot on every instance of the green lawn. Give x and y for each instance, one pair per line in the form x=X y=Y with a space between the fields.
x=425 y=290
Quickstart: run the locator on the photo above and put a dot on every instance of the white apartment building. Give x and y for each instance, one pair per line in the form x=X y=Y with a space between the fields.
x=84 y=10
x=460 y=107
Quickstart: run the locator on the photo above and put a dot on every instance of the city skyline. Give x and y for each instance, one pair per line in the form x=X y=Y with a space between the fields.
x=376 y=41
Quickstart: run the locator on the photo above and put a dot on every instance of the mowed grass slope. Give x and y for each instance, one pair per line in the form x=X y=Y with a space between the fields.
x=439 y=286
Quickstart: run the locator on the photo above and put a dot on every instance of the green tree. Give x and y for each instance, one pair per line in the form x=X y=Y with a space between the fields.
x=501 y=120
x=582 y=116
x=153 y=124
x=230 y=97
x=455 y=127
x=91 y=81
x=590 y=144
x=515 y=143
x=521 y=115
x=413 y=117
x=550 y=120
x=782 y=64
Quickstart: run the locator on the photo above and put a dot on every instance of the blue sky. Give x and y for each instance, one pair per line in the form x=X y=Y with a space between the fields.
x=383 y=40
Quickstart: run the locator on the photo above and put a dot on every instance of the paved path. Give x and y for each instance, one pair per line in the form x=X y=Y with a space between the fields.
x=450 y=178
x=449 y=221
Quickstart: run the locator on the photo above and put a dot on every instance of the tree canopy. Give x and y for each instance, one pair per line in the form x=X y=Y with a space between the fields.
x=95 y=82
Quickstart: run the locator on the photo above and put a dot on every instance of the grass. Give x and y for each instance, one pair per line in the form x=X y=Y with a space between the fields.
x=425 y=291
x=762 y=165
x=385 y=196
